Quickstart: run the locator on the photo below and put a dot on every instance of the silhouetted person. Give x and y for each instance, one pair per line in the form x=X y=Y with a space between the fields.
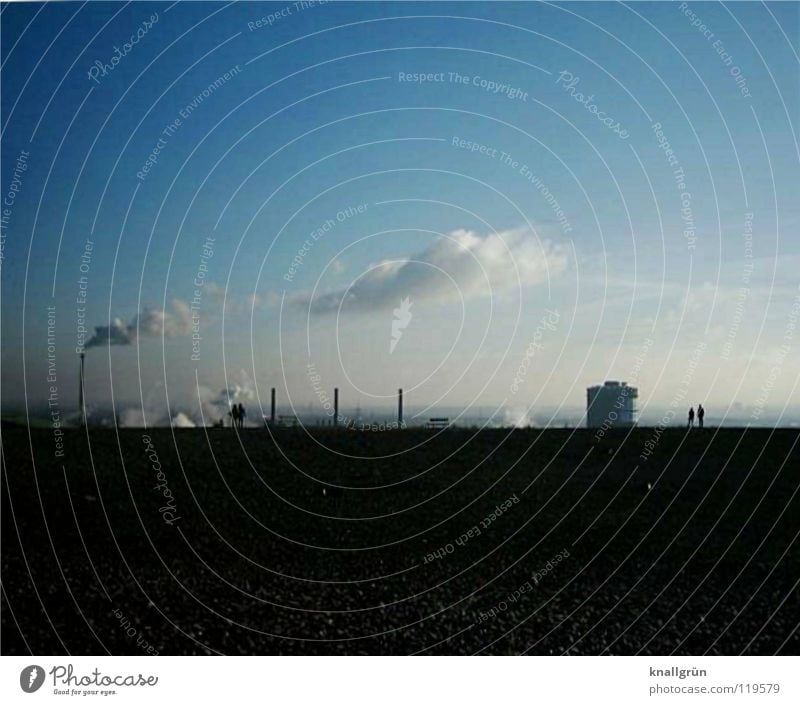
x=234 y=413
x=701 y=412
x=691 y=417
x=242 y=415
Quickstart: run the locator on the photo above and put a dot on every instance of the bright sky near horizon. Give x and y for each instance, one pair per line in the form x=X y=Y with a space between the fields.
x=485 y=204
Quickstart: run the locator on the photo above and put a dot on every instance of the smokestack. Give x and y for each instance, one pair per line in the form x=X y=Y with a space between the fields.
x=336 y=406
x=81 y=407
x=399 y=408
x=272 y=407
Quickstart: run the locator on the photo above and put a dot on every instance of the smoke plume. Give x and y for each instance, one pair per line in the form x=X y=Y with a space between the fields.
x=477 y=264
x=151 y=322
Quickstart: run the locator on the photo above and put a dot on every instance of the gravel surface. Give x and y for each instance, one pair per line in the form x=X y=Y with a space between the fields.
x=460 y=542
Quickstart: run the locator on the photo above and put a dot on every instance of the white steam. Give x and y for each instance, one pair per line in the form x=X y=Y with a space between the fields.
x=150 y=322
x=478 y=264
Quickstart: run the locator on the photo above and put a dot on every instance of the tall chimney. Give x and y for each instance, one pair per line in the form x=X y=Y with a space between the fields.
x=272 y=407
x=81 y=407
x=336 y=406
x=399 y=408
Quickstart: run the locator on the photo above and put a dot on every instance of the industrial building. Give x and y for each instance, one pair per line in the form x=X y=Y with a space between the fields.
x=612 y=404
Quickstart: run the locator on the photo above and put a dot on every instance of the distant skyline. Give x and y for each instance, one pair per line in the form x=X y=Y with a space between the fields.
x=488 y=205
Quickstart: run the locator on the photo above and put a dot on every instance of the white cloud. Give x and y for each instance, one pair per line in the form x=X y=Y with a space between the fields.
x=479 y=265
x=149 y=322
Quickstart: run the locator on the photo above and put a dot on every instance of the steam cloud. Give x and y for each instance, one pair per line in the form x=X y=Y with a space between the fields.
x=213 y=406
x=149 y=322
x=475 y=263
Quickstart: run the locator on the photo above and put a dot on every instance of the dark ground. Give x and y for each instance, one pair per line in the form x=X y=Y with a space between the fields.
x=704 y=562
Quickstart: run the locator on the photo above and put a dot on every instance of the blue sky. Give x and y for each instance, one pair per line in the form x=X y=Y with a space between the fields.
x=298 y=120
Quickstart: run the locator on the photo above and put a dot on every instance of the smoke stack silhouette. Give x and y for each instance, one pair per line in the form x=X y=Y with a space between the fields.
x=81 y=404
x=399 y=408
x=336 y=406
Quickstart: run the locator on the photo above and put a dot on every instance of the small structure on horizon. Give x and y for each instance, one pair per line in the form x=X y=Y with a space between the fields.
x=287 y=421
x=399 y=408
x=336 y=406
x=612 y=404
x=81 y=401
